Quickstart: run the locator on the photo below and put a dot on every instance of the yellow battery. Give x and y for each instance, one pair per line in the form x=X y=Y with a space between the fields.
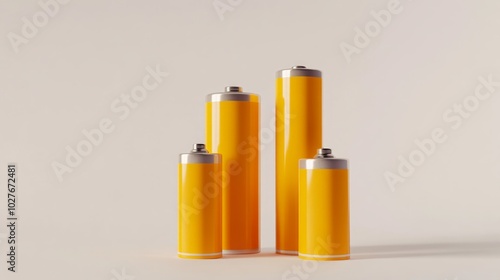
x=232 y=130
x=324 y=208
x=200 y=204
x=298 y=135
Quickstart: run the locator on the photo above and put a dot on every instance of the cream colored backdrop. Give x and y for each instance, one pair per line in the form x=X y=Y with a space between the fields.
x=108 y=93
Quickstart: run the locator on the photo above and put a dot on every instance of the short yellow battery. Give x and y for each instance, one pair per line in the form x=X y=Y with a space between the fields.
x=298 y=135
x=200 y=204
x=232 y=130
x=324 y=208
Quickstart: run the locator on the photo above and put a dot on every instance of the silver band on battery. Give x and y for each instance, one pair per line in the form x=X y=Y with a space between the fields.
x=199 y=155
x=323 y=163
x=232 y=93
x=323 y=160
x=298 y=71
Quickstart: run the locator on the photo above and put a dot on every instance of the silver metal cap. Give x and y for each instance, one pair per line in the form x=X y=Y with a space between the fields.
x=298 y=71
x=323 y=160
x=232 y=93
x=199 y=154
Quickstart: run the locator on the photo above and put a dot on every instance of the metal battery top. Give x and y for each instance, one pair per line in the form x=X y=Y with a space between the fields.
x=232 y=93
x=323 y=160
x=298 y=71
x=199 y=154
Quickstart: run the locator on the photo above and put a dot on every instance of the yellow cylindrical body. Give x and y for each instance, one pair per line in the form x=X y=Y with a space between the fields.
x=324 y=209
x=232 y=123
x=298 y=135
x=200 y=206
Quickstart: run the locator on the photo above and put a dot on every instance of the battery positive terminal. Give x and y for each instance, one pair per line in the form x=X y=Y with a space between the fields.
x=324 y=153
x=233 y=89
x=199 y=148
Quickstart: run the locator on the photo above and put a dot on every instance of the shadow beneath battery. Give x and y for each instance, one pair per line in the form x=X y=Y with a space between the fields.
x=425 y=250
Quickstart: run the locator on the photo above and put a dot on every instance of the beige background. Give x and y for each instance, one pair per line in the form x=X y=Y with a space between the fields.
x=117 y=209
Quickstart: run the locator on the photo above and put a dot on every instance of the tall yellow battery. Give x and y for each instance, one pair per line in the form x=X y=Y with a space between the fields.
x=200 y=205
x=324 y=208
x=232 y=123
x=298 y=135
